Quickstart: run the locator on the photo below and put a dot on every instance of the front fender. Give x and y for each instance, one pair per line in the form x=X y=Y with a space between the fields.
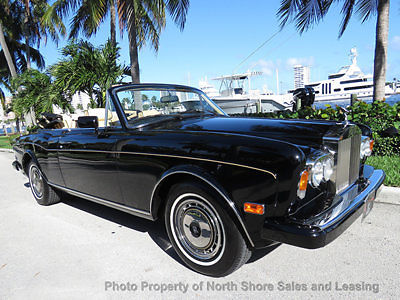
x=176 y=173
x=29 y=155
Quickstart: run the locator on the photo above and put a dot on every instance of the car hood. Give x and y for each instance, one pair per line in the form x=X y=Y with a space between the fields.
x=300 y=132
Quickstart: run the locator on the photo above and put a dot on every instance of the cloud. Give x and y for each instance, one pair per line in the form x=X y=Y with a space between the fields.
x=395 y=42
x=305 y=61
x=266 y=66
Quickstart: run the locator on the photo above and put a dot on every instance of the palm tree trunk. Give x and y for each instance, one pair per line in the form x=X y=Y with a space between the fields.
x=134 y=57
x=382 y=30
x=26 y=33
x=112 y=23
x=133 y=50
x=7 y=54
x=133 y=47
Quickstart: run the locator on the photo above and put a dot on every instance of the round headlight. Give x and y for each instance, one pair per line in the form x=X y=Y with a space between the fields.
x=328 y=168
x=317 y=174
x=365 y=149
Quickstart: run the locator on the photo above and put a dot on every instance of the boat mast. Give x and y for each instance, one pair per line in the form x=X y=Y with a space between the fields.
x=277 y=81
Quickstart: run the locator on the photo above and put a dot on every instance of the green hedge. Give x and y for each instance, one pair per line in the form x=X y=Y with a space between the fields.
x=377 y=115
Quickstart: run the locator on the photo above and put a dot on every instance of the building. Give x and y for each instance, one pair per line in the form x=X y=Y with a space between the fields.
x=7 y=119
x=301 y=76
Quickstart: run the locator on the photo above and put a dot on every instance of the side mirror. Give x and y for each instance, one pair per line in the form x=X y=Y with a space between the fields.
x=88 y=122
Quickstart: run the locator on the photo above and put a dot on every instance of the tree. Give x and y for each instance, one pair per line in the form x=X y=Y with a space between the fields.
x=36 y=27
x=6 y=52
x=88 y=16
x=33 y=89
x=87 y=69
x=4 y=6
x=143 y=19
x=306 y=13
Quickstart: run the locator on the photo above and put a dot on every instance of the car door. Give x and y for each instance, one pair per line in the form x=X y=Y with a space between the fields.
x=87 y=162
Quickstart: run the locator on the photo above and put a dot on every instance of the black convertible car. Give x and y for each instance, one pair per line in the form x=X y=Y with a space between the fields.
x=224 y=186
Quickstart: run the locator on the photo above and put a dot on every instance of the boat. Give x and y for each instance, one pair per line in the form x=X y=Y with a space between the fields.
x=348 y=80
x=235 y=95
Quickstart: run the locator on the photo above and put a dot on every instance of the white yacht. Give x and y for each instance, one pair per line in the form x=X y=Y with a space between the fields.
x=348 y=80
x=236 y=96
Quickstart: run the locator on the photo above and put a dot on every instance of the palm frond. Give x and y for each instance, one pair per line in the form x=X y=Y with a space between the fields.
x=52 y=23
x=178 y=10
x=89 y=17
x=347 y=11
x=366 y=9
x=310 y=13
x=288 y=10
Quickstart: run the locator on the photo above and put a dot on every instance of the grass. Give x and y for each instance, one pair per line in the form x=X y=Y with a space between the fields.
x=6 y=141
x=389 y=164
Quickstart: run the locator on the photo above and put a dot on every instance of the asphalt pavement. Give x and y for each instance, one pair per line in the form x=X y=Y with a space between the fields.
x=77 y=249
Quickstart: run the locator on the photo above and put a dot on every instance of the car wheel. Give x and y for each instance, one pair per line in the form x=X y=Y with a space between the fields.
x=43 y=193
x=202 y=232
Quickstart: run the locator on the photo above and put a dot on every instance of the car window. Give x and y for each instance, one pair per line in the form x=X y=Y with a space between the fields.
x=147 y=105
x=112 y=119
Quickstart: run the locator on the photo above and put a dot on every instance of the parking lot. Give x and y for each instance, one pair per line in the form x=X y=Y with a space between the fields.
x=78 y=249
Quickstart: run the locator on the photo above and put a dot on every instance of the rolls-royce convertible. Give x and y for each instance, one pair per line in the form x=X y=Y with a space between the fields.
x=224 y=186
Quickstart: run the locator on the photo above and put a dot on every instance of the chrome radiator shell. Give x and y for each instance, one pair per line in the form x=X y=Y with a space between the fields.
x=344 y=143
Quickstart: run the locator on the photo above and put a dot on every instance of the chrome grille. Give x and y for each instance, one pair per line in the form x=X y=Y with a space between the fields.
x=345 y=142
x=348 y=162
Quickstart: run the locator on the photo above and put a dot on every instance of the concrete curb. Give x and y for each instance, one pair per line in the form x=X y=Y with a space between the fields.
x=6 y=150
x=389 y=195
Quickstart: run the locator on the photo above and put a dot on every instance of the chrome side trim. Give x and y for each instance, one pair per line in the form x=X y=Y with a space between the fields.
x=162 y=155
x=229 y=201
x=130 y=210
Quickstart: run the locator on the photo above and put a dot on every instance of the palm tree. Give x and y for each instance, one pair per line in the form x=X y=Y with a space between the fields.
x=36 y=27
x=143 y=19
x=5 y=7
x=306 y=13
x=38 y=93
x=88 y=15
x=87 y=69
x=14 y=53
x=6 y=52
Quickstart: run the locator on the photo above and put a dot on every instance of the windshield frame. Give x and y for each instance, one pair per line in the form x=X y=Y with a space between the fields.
x=146 y=86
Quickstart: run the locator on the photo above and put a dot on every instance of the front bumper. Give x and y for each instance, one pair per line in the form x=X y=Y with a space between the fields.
x=323 y=229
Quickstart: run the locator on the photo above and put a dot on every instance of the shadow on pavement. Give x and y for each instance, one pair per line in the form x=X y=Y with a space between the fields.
x=260 y=253
x=155 y=229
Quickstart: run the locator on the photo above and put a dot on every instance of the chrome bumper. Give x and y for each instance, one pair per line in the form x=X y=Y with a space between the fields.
x=324 y=228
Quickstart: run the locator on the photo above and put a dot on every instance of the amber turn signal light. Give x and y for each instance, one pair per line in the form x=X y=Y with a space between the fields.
x=371 y=145
x=254 y=208
x=303 y=181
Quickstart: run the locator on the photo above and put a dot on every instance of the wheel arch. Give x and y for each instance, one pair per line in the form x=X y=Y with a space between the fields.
x=29 y=156
x=198 y=174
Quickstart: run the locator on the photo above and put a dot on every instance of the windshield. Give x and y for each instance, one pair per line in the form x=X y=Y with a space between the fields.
x=148 y=105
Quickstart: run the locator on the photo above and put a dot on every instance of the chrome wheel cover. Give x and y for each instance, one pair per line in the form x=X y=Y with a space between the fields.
x=197 y=229
x=36 y=182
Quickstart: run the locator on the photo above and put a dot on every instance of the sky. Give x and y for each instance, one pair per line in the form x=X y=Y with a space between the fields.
x=220 y=34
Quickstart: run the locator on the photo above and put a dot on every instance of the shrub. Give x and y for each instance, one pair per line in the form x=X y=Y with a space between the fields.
x=378 y=115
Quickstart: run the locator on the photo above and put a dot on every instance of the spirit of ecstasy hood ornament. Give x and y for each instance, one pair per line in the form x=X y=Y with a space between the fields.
x=346 y=120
